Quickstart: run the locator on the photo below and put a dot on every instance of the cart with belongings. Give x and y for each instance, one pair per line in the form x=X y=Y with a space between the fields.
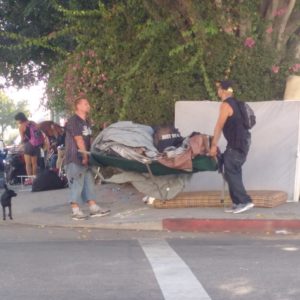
x=129 y=147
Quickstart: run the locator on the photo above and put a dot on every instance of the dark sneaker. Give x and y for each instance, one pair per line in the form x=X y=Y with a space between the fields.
x=231 y=209
x=78 y=215
x=96 y=211
x=243 y=207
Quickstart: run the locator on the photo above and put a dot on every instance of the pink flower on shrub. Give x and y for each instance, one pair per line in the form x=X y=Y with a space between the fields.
x=281 y=11
x=103 y=77
x=249 y=42
x=275 y=69
x=295 y=68
x=269 y=30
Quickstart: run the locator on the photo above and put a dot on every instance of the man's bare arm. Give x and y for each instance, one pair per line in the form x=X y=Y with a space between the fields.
x=225 y=112
x=81 y=146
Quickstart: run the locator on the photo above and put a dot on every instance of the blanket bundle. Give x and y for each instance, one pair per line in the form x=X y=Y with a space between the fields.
x=136 y=142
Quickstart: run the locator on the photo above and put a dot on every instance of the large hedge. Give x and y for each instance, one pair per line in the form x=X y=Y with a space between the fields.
x=135 y=58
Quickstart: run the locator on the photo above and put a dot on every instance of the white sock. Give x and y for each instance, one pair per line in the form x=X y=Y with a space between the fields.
x=75 y=210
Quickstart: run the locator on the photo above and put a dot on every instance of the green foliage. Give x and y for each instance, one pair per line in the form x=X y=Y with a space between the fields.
x=130 y=48
x=34 y=35
x=134 y=59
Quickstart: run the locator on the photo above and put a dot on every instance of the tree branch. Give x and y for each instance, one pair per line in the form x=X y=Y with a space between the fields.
x=293 y=24
x=286 y=16
x=272 y=8
x=291 y=29
x=268 y=11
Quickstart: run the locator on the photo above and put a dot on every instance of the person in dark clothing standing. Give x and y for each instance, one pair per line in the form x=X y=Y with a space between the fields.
x=79 y=173
x=238 y=143
x=31 y=152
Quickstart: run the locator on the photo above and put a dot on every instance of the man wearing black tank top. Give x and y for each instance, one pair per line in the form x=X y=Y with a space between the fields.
x=238 y=138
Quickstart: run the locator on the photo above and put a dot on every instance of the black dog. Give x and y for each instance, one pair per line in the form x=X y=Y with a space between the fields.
x=6 y=201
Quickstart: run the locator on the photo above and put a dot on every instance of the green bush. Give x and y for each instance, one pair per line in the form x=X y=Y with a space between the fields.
x=134 y=61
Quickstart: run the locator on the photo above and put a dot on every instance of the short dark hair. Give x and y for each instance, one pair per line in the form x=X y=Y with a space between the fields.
x=80 y=97
x=226 y=84
x=21 y=117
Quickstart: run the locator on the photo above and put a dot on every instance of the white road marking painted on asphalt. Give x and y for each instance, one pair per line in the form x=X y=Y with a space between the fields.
x=175 y=278
x=290 y=248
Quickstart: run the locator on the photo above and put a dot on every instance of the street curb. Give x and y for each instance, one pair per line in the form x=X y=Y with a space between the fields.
x=146 y=226
x=230 y=225
x=187 y=225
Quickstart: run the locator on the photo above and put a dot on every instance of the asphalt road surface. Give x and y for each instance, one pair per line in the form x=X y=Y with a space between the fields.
x=85 y=264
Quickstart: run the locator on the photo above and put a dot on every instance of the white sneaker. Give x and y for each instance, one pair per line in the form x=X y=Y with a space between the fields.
x=96 y=211
x=148 y=200
x=231 y=209
x=78 y=215
x=243 y=207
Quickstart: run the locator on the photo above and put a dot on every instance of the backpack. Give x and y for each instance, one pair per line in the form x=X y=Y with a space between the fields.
x=247 y=113
x=36 y=135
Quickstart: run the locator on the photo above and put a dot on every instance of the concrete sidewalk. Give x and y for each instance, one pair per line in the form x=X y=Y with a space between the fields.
x=128 y=211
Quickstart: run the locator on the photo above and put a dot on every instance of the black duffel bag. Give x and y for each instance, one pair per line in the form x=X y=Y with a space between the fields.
x=47 y=180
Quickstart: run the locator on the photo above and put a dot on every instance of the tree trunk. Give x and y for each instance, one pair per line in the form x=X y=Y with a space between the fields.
x=280 y=41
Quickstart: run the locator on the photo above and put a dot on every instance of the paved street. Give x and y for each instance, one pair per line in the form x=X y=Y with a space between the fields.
x=85 y=264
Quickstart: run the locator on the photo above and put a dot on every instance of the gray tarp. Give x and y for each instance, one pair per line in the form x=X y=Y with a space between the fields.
x=129 y=134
